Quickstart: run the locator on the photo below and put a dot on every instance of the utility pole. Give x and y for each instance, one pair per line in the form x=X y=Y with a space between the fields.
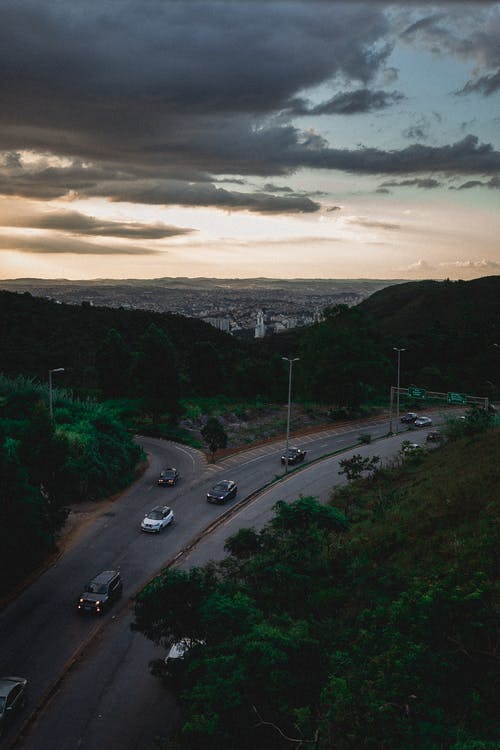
x=290 y=363
x=51 y=411
x=399 y=376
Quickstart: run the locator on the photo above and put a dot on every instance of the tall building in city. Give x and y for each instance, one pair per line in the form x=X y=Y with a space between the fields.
x=260 y=328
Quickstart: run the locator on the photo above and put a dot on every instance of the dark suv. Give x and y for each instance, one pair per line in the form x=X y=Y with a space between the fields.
x=101 y=592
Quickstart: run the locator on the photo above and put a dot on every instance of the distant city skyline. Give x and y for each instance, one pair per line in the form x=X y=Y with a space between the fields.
x=249 y=138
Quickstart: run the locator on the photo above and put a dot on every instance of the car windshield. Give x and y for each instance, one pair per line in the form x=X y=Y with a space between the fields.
x=96 y=588
x=168 y=474
x=221 y=487
x=155 y=515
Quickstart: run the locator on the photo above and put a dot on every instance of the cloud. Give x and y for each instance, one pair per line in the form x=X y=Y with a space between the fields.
x=154 y=102
x=469 y=31
x=420 y=265
x=421 y=182
x=483 y=264
x=463 y=157
x=356 y=102
x=57 y=245
x=78 y=223
x=487 y=85
x=493 y=184
x=130 y=72
x=374 y=224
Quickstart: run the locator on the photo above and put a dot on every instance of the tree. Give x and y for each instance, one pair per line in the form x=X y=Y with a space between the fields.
x=156 y=374
x=214 y=435
x=113 y=363
x=356 y=466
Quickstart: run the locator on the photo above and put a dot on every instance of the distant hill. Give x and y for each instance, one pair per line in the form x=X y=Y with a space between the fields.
x=38 y=334
x=448 y=329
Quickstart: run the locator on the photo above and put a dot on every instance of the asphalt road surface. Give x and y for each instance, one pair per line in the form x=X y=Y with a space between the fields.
x=89 y=682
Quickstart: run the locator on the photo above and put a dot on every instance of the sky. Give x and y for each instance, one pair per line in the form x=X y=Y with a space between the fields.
x=249 y=138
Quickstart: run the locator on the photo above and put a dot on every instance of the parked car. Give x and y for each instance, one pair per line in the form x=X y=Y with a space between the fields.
x=433 y=437
x=222 y=491
x=295 y=455
x=157 y=519
x=423 y=422
x=12 y=694
x=409 y=418
x=100 y=592
x=168 y=477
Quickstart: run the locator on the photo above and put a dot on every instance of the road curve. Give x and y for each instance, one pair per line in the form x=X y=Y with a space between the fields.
x=92 y=677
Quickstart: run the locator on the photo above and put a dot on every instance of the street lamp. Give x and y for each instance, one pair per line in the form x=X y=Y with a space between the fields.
x=56 y=369
x=290 y=362
x=399 y=376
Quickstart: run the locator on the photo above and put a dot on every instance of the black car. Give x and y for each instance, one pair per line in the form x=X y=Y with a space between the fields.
x=12 y=690
x=409 y=418
x=168 y=477
x=295 y=455
x=100 y=592
x=222 y=491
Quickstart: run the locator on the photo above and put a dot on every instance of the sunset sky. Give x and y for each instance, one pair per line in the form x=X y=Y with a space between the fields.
x=244 y=138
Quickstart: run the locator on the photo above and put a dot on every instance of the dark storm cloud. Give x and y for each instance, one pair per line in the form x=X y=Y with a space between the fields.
x=57 y=245
x=152 y=101
x=357 y=102
x=78 y=223
x=165 y=192
x=424 y=182
x=85 y=73
x=466 y=156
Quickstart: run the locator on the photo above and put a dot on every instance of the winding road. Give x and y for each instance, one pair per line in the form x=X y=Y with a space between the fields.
x=89 y=682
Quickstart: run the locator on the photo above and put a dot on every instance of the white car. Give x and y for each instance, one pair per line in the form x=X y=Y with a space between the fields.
x=423 y=422
x=157 y=519
x=410 y=447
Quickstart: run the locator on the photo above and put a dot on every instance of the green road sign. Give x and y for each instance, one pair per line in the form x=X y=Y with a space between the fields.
x=417 y=392
x=456 y=398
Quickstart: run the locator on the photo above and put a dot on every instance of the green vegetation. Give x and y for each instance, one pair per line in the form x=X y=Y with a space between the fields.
x=84 y=454
x=375 y=630
x=214 y=435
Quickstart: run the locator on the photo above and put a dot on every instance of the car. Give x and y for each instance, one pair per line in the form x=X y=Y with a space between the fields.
x=222 y=491
x=12 y=695
x=433 y=437
x=168 y=477
x=423 y=422
x=157 y=519
x=409 y=418
x=410 y=448
x=295 y=455
x=100 y=592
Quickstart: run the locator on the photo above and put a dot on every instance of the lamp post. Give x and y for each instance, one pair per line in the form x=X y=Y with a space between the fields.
x=56 y=369
x=290 y=363
x=399 y=377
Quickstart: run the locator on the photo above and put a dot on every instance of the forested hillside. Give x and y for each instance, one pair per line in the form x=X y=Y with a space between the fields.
x=448 y=330
x=45 y=465
x=378 y=631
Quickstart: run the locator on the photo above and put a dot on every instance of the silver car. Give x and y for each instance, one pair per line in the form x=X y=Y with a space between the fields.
x=423 y=422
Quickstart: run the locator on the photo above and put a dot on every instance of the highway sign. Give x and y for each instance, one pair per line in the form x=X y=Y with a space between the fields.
x=456 y=398
x=417 y=392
